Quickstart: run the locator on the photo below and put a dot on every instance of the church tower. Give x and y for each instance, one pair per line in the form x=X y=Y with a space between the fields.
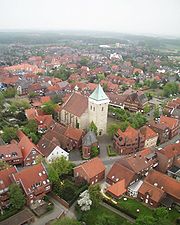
x=98 y=109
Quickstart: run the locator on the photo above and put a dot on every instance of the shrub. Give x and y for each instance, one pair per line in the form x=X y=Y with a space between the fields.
x=110 y=151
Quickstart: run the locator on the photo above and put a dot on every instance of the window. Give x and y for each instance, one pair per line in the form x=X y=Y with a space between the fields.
x=102 y=109
x=47 y=188
x=93 y=108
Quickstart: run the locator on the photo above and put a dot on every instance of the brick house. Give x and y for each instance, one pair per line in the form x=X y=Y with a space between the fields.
x=91 y=171
x=29 y=150
x=167 y=156
x=162 y=130
x=129 y=141
x=34 y=182
x=5 y=181
x=135 y=101
x=159 y=188
x=151 y=137
x=172 y=123
x=11 y=154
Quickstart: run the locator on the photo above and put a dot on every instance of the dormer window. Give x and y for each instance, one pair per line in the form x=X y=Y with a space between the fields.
x=40 y=174
x=43 y=172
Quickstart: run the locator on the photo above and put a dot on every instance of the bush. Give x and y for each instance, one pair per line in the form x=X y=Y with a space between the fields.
x=50 y=207
x=8 y=213
x=94 y=151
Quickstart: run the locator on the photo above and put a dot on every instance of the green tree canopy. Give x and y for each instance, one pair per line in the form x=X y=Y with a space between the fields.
x=59 y=167
x=105 y=220
x=9 y=133
x=170 y=88
x=93 y=127
x=17 y=199
x=48 y=107
x=9 y=92
x=156 y=111
x=95 y=195
x=4 y=165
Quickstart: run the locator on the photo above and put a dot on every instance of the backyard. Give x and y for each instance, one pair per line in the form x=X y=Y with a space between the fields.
x=91 y=217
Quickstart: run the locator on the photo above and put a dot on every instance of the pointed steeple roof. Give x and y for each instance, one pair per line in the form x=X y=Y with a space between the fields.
x=98 y=94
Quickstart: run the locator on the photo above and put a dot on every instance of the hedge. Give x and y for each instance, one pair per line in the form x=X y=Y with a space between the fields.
x=110 y=151
x=8 y=213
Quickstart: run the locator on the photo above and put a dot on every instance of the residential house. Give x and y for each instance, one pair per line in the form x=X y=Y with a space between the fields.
x=51 y=149
x=116 y=100
x=34 y=182
x=162 y=130
x=159 y=188
x=172 y=123
x=151 y=137
x=11 y=154
x=68 y=137
x=129 y=141
x=135 y=101
x=117 y=189
x=5 y=181
x=30 y=152
x=167 y=156
x=91 y=171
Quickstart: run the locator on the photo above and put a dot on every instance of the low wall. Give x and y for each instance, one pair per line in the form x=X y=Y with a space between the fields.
x=60 y=200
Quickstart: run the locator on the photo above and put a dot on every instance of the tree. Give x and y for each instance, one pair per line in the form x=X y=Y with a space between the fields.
x=16 y=197
x=95 y=194
x=145 y=220
x=170 y=88
x=84 y=202
x=100 y=76
x=105 y=219
x=4 y=165
x=147 y=108
x=9 y=133
x=84 y=61
x=93 y=127
x=59 y=167
x=48 y=107
x=66 y=221
x=94 y=151
x=9 y=92
x=161 y=216
x=154 y=84
x=156 y=111
x=112 y=129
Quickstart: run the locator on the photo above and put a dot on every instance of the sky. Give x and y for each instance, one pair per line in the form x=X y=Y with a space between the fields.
x=155 y=17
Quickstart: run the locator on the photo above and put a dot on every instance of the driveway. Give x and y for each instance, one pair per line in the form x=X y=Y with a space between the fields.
x=104 y=140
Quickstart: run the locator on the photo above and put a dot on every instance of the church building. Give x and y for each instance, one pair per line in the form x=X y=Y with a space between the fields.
x=79 y=111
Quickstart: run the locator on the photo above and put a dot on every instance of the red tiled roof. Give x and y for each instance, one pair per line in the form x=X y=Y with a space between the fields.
x=92 y=167
x=77 y=104
x=148 y=133
x=74 y=133
x=45 y=99
x=30 y=176
x=163 y=181
x=155 y=193
x=129 y=132
x=26 y=145
x=169 y=122
x=5 y=177
x=117 y=189
x=7 y=151
x=171 y=150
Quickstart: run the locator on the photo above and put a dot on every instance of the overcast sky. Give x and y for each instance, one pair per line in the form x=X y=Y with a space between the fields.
x=160 y=17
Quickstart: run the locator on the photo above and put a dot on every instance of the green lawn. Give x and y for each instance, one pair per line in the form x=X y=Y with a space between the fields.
x=132 y=205
x=90 y=217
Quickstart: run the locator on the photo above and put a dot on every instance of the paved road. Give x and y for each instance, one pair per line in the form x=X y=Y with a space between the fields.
x=118 y=212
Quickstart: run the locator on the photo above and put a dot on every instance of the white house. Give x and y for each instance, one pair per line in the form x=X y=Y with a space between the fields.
x=57 y=152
